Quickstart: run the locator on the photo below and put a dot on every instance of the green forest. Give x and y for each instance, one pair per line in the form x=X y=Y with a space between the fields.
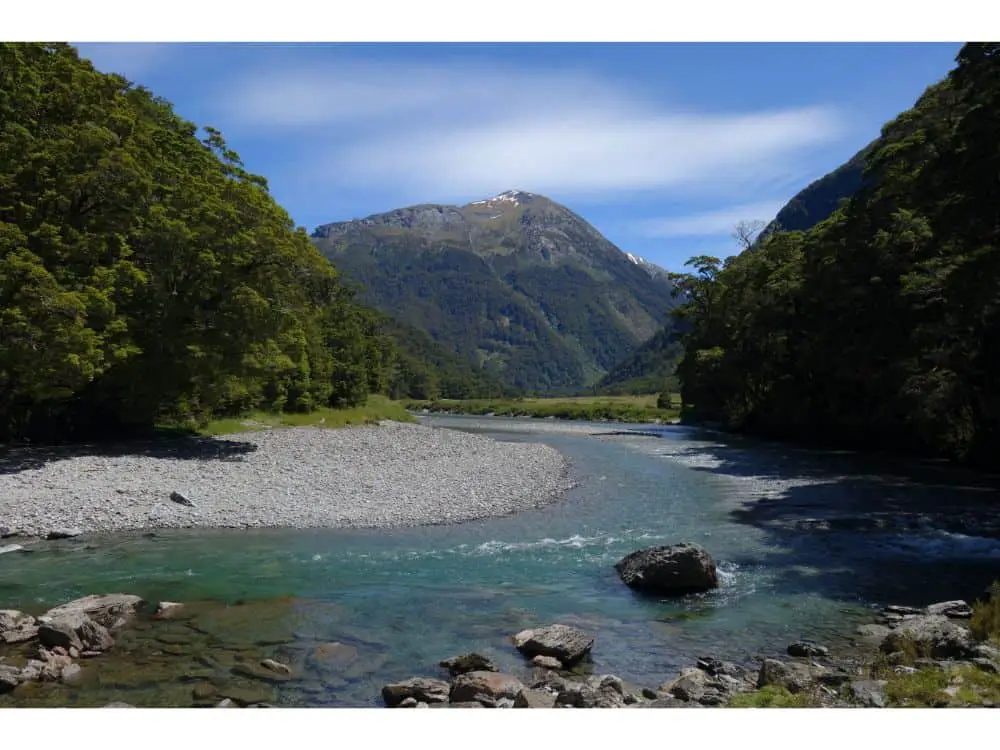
x=148 y=279
x=879 y=326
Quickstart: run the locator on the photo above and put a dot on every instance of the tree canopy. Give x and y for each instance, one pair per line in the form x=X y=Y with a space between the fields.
x=146 y=276
x=880 y=326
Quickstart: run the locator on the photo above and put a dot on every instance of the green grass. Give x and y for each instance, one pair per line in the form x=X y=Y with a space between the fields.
x=376 y=409
x=985 y=624
x=772 y=696
x=630 y=409
x=939 y=688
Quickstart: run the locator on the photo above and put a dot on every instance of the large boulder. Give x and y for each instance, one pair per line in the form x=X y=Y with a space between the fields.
x=935 y=636
x=672 y=570
x=567 y=644
x=422 y=689
x=16 y=627
x=74 y=630
x=598 y=692
x=795 y=677
x=957 y=609
x=113 y=611
x=489 y=688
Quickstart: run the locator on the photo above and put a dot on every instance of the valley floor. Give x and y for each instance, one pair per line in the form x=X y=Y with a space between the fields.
x=386 y=475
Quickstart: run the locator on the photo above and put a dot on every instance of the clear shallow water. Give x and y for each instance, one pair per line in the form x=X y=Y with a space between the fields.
x=404 y=599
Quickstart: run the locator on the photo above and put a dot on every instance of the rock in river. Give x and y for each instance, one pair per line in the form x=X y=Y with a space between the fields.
x=485 y=687
x=113 y=611
x=16 y=627
x=673 y=570
x=74 y=630
x=471 y=662
x=420 y=688
x=567 y=644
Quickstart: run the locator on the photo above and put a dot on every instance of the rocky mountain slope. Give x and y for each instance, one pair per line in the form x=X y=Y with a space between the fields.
x=516 y=283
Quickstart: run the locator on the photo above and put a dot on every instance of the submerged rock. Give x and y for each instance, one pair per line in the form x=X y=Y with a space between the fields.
x=671 y=570
x=10 y=548
x=567 y=644
x=423 y=689
x=547 y=662
x=165 y=610
x=807 y=649
x=471 y=662
x=16 y=627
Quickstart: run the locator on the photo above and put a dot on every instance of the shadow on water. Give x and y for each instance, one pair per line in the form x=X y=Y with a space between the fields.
x=858 y=526
x=176 y=446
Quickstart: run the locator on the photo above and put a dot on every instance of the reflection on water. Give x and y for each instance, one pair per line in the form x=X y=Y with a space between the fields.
x=351 y=610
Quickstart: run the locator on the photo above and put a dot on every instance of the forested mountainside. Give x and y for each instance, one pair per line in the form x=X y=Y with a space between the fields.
x=147 y=277
x=516 y=284
x=879 y=326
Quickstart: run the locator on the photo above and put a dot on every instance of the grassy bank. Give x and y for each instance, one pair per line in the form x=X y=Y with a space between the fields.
x=376 y=409
x=631 y=409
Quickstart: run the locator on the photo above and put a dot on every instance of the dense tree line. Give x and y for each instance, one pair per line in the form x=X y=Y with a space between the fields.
x=146 y=276
x=880 y=326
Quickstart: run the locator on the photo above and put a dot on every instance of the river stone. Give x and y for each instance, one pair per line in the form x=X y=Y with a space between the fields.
x=986 y=665
x=807 y=649
x=165 y=610
x=667 y=702
x=64 y=533
x=474 y=686
x=672 y=570
x=10 y=678
x=471 y=662
x=74 y=629
x=10 y=548
x=936 y=636
x=276 y=666
x=869 y=693
x=180 y=499
x=582 y=695
x=567 y=644
x=877 y=632
x=421 y=688
x=118 y=704
x=547 y=662
x=113 y=611
x=16 y=627
x=899 y=609
x=261 y=673
x=957 y=609
x=793 y=676
x=530 y=698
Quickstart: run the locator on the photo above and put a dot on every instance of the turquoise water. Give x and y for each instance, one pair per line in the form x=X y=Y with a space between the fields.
x=405 y=599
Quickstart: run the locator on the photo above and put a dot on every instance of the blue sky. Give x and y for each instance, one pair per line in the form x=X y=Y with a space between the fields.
x=662 y=147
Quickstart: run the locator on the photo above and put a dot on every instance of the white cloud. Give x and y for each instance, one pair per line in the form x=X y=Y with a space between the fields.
x=460 y=132
x=711 y=223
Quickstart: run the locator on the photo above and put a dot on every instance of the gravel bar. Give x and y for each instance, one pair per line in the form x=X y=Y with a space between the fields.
x=392 y=474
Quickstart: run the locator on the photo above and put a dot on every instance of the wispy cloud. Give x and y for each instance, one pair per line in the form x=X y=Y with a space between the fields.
x=446 y=132
x=128 y=59
x=710 y=223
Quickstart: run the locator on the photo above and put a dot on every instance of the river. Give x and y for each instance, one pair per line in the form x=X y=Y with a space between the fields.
x=807 y=542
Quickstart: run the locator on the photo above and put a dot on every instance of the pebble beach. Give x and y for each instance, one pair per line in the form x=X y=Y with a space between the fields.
x=379 y=476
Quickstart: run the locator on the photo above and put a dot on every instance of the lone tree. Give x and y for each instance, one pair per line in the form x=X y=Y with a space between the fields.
x=746 y=232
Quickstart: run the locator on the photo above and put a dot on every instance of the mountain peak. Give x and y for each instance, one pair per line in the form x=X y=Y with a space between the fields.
x=516 y=197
